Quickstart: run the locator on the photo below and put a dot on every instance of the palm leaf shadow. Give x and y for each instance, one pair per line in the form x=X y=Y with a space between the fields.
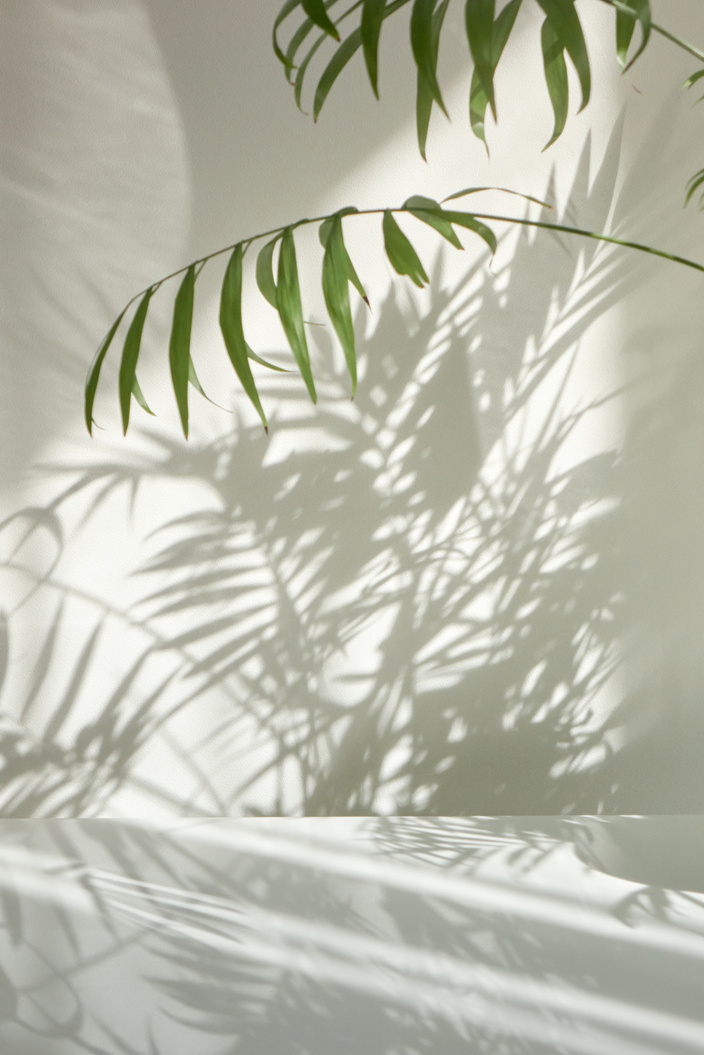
x=408 y=611
x=424 y=531
x=68 y=740
x=250 y=943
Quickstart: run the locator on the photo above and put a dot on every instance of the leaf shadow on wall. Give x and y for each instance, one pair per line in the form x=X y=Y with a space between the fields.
x=414 y=610
x=93 y=186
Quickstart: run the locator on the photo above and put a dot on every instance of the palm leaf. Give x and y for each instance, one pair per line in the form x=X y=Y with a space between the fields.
x=231 y=327
x=287 y=58
x=344 y=52
x=180 y=344
x=284 y=293
x=94 y=372
x=422 y=45
x=555 y=78
x=130 y=355
x=372 y=19
x=486 y=35
x=288 y=299
x=479 y=23
x=430 y=212
x=425 y=92
x=140 y=397
x=567 y=31
x=402 y=256
x=315 y=9
x=479 y=98
x=265 y=271
x=693 y=185
x=337 y=296
x=324 y=234
x=625 y=27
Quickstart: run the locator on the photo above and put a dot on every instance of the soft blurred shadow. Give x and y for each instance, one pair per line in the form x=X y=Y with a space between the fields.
x=79 y=82
x=391 y=935
x=401 y=605
x=657 y=536
x=416 y=603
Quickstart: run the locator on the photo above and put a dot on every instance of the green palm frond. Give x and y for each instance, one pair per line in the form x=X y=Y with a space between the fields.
x=284 y=293
x=359 y=25
x=696 y=183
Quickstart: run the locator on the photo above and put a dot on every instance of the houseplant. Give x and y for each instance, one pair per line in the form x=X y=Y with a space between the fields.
x=269 y=514
x=488 y=33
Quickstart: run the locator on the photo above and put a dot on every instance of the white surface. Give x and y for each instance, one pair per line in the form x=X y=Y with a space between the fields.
x=429 y=600
x=358 y=935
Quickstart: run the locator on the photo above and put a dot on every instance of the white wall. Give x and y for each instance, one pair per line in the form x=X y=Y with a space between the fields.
x=473 y=590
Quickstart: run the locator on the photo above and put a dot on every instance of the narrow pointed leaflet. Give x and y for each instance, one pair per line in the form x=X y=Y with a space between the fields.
x=94 y=372
x=180 y=344
x=402 y=256
x=140 y=397
x=324 y=234
x=419 y=207
x=625 y=27
x=231 y=327
x=478 y=97
x=422 y=46
x=315 y=9
x=130 y=355
x=337 y=274
x=283 y=14
x=302 y=69
x=337 y=295
x=193 y=379
x=693 y=186
x=372 y=18
x=425 y=94
x=479 y=24
x=343 y=53
x=555 y=78
x=504 y=190
x=565 y=24
x=288 y=298
x=471 y=223
x=265 y=271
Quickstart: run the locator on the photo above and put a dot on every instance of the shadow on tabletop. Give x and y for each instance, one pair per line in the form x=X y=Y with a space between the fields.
x=385 y=934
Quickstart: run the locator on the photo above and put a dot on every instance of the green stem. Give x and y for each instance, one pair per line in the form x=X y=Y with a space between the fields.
x=399 y=209
x=690 y=48
x=590 y=234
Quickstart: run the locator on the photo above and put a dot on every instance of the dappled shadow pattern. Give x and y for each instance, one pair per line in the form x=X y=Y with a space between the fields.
x=392 y=935
x=401 y=604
